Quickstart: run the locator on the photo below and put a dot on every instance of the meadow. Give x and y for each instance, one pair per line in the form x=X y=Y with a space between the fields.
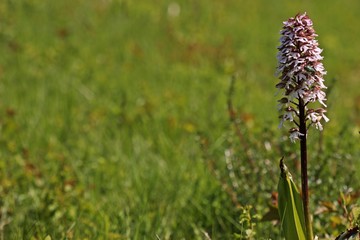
x=126 y=119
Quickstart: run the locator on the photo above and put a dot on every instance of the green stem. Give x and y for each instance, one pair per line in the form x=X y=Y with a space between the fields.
x=304 y=176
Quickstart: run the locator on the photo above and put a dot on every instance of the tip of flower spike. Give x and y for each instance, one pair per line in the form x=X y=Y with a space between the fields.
x=301 y=15
x=304 y=18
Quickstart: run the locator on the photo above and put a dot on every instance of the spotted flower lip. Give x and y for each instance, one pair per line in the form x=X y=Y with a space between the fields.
x=301 y=74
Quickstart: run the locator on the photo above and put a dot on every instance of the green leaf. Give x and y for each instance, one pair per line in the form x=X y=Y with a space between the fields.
x=290 y=207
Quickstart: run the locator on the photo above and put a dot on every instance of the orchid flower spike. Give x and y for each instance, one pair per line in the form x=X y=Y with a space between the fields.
x=301 y=74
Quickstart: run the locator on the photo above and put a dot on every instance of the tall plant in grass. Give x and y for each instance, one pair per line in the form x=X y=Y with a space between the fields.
x=301 y=75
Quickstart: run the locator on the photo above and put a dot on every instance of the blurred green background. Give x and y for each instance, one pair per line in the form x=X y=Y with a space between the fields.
x=106 y=106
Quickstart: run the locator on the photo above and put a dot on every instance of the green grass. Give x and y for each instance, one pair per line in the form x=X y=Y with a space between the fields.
x=112 y=114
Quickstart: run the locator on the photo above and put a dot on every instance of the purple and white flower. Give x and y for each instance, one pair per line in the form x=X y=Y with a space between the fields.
x=301 y=73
